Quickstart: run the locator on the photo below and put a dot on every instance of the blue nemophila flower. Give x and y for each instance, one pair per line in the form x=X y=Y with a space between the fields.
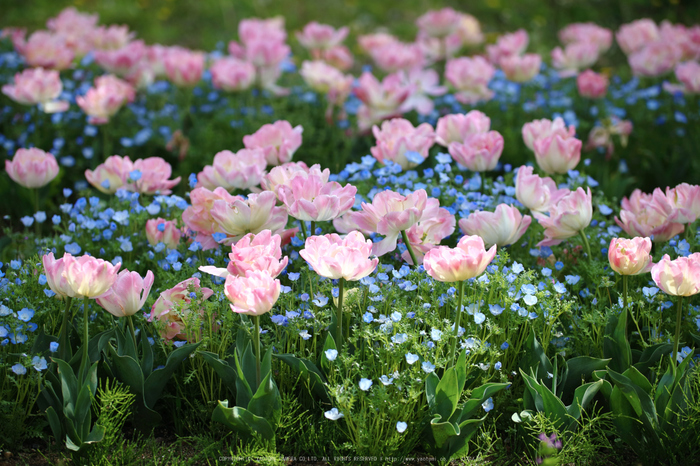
x=4 y=310
x=367 y=317
x=435 y=334
x=559 y=265
x=53 y=346
x=396 y=316
x=479 y=318
x=411 y=358
x=528 y=289
x=39 y=363
x=365 y=384
x=19 y=369
x=399 y=338
x=487 y=405
x=320 y=300
x=40 y=217
x=496 y=309
x=427 y=367
x=333 y=414
x=331 y=354
x=386 y=380
x=15 y=264
x=505 y=345
x=498 y=366
x=401 y=427
x=572 y=279
x=530 y=300
x=547 y=272
x=25 y=315
x=560 y=287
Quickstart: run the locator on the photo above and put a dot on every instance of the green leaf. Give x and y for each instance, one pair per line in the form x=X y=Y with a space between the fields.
x=146 y=354
x=55 y=423
x=73 y=440
x=580 y=369
x=615 y=344
x=582 y=397
x=266 y=402
x=127 y=371
x=442 y=431
x=97 y=434
x=242 y=421
x=311 y=374
x=266 y=365
x=154 y=384
x=651 y=356
x=82 y=416
x=69 y=386
x=243 y=390
x=460 y=447
x=664 y=389
x=431 y=383
x=329 y=344
x=248 y=367
x=478 y=396
x=638 y=398
x=549 y=404
x=629 y=427
x=242 y=338
x=534 y=358
x=226 y=373
x=461 y=370
x=447 y=394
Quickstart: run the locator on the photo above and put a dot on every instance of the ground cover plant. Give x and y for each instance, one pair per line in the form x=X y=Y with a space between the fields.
x=436 y=251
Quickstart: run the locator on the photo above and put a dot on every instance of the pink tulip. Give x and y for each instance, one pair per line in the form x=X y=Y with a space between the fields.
x=574 y=57
x=105 y=99
x=32 y=168
x=127 y=295
x=184 y=67
x=53 y=269
x=122 y=61
x=155 y=172
x=468 y=260
x=110 y=175
x=89 y=276
x=630 y=256
x=479 y=152
x=47 y=50
x=587 y=32
x=345 y=224
x=439 y=23
x=514 y=43
x=555 y=154
x=457 y=127
x=679 y=277
x=175 y=306
x=400 y=142
x=470 y=77
x=334 y=257
x=519 y=68
x=389 y=214
x=380 y=100
x=254 y=294
x=686 y=39
x=317 y=36
x=634 y=36
x=369 y=42
x=70 y=19
x=592 y=85
x=283 y=174
x=325 y=79
x=257 y=213
x=37 y=86
x=425 y=85
x=439 y=223
x=242 y=170
x=503 y=227
x=567 y=217
x=112 y=37
x=267 y=55
x=261 y=252
x=198 y=218
x=651 y=215
x=339 y=57
x=685 y=198
x=253 y=29
x=159 y=230
x=311 y=198
x=435 y=49
x=688 y=74
x=396 y=56
x=655 y=59
x=543 y=128
x=231 y=74
x=536 y=193
x=278 y=141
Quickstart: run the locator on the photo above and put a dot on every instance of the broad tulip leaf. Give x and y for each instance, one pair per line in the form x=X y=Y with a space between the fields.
x=615 y=344
x=266 y=402
x=243 y=391
x=535 y=359
x=431 y=383
x=311 y=374
x=443 y=431
x=242 y=421
x=447 y=394
x=580 y=368
x=226 y=373
x=478 y=396
x=154 y=384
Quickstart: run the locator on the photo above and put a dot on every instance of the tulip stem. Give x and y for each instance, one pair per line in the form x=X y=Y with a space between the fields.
x=131 y=327
x=339 y=314
x=256 y=319
x=457 y=320
x=588 y=246
x=678 y=330
x=313 y=228
x=404 y=236
x=303 y=229
x=105 y=142
x=85 y=362
x=63 y=345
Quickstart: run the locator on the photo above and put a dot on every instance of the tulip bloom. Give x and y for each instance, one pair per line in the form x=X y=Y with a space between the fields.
x=261 y=252
x=513 y=43
x=652 y=215
x=253 y=294
x=686 y=199
x=555 y=154
x=232 y=74
x=37 y=86
x=159 y=230
x=310 y=198
x=470 y=77
x=325 y=79
x=198 y=218
x=53 y=269
x=539 y=129
x=285 y=173
x=396 y=56
x=634 y=36
x=334 y=257
x=521 y=69
x=316 y=36
x=89 y=276
x=592 y=85
x=457 y=127
x=688 y=73
x=567 y=217
x=468 y=260
x=257 y=213
x=534 y=192
x=587 y=32
x=380 y=100
x=32 y=168
x=400 y=142
x=574 y=57
x=439 y=223
x=127 y=295
x=184 y=67
x=47 y=50
x=655 y=59
x=242 y=170
x=503 y=227
x=174 y=307
x=104 y=100
x=479 y=152
x=439 y=23
x=426 y=86
x=122 y=61
x=630 y=256
x=278 y=141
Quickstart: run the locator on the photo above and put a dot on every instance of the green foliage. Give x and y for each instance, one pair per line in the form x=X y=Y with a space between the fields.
x=113 y=403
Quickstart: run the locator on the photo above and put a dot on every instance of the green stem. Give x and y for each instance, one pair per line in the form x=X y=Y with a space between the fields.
x=256 y=319
x=624 y=290
x=131 y=327
x=63 y=345
x=37 y=226
x=588 y=246
x=678 y=330
x=313 y=228
x=85 y=362
x=339 y=315
x=105 y=142
x=457 y=321
x=303 y=229
x=404 y=236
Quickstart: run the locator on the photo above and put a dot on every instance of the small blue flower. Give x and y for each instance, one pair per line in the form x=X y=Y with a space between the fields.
x=333 y=414
x=365 y=384
x=25 y=315
x=427 y=367
x=411 y=358
x=367 y=317
x=530 y=300
x=331 y=354
x=39 y=363
x=401 y=427
x=19 y=369
x=53 y=346
x=487 y=405
x=479 y=317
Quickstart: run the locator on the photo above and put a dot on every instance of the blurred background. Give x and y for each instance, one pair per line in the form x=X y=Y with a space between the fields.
x=202 y=24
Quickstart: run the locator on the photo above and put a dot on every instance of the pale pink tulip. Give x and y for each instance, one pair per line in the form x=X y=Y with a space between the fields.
x=380 y=100
x=686 y=199
x=32 y=168
x=231 y=74
x=311 y=198
x=479 y=152
x=634 y=36
x=339 y=56
x=89 y=276
x=655 y=59
x=567 y=217
x=396 y=56
x=261 y=252
x=316 y=36
x=538 y=129
x=688 y=74
x=325 y=79
x=110 y=175
x=37 y=86
x=256 y=213
x=122 y=61
x=112 y=37
x=389 y=214
x=457 y=127
x=174 y=308
x=53 y=270
x=587 y=32
x=254 y=294
x=469 y=30
x=435 y=48
x=278 y=141
x=651 y=215
x=253 y=29
x=506 y=225
x=159 y=230
x=519 y=68
x=439 y=223
x=470 y=77
x=513 y=43
x=47 y=50
x=678 y=277
x=555 y=154
x=630 y=256
x=592 y=85
x=104 y=100
x=468 y=260
x=155 y=172
x=400 y=142
x=345 y=224
x=70 y=19
x=267 y=55
x=425 y=85
x=127 y=295
x=283 y=174
x=686 y=39
x=184 y=67
x=369 y=42
x=574 y=57
x=198 y=218
x=439 y=23
x=536 y=193
x=242 y=170
x=334 y=257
